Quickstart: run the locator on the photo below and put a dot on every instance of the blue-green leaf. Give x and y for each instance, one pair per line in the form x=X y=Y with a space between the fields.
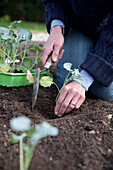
x=13 y=24
x=67 y=66
x=41 y=131
x=5 y=37
x=24 y=35
x=20 y=124
x=16 y=138
x=3 y=30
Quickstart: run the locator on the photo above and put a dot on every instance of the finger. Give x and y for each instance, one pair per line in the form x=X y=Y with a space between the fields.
x=80 y=101
x=65 y=103
x=46 y=51
x=61 y=53
x=55 y=53
x=59 y=57
x=61 y=98
x=71 y=106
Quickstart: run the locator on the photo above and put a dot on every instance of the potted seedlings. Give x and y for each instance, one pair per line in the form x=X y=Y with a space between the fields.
x=15 y=61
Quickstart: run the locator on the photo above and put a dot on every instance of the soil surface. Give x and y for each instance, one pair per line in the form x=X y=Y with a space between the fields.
x=85 y=140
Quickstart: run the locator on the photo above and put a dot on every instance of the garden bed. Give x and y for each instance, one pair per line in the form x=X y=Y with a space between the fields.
x=85 y=139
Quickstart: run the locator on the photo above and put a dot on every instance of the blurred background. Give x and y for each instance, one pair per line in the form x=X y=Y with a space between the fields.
x=29 y=11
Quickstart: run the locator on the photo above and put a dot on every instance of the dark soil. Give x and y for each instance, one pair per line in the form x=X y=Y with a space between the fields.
x=85 y=139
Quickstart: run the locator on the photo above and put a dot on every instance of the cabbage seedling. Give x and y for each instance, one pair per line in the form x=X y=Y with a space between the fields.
x=32 y=134
x=11 y=48
x=47 y=81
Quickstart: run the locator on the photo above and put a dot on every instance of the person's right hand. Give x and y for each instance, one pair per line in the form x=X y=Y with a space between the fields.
x=54 y=43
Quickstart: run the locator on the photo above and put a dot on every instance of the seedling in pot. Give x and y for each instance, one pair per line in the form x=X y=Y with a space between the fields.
x=31 y=134
x=11 y=48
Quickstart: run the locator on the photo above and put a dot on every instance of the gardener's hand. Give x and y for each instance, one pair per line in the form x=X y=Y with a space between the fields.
x=54 y=43
x=71 y=93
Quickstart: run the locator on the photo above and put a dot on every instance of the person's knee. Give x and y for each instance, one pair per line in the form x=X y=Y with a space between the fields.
x=105 y=93
x=108 y=96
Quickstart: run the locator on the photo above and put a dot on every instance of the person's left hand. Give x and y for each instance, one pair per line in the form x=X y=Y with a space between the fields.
x=73 y=92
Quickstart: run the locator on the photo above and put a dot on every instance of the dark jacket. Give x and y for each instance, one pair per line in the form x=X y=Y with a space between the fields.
x=88 y=16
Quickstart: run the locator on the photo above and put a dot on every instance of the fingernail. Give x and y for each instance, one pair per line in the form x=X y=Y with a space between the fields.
x=56 y=113
x=59 y=115
x=62 y=51
x=55 y=59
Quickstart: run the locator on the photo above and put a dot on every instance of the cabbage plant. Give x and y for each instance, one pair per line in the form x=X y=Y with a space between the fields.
x=11 y=39
x=31 y=134
x=72 y=75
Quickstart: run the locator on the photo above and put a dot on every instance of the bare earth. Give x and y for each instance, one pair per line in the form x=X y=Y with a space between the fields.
x=85 y=140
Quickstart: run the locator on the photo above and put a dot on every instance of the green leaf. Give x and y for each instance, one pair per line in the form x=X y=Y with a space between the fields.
x=13 y=24
x=1 y=53
x=75 y=72
x=36 y=47
x=67 y=66
x=27 y=63
x=4 y=67
x=15 y=45
x=39 y=60
x=46 y=81
x=9 y=46
x=1 y=60
x=11 y=33
x=76 y=77
x=24 y=35
x=14 y=138
x=30 y=132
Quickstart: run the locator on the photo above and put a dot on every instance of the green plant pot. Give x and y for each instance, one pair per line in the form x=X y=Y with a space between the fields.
x=16 y=79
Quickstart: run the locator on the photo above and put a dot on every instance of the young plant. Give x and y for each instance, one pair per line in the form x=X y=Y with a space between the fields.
x=32 y=134
x=11 y=48
x=47 y=81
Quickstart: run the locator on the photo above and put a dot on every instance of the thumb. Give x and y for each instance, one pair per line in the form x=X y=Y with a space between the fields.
x=61 y=53
x=47 y=49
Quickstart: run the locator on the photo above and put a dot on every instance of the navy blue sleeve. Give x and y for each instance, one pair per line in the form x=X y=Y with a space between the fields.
x=99 y=63
x=55 y=10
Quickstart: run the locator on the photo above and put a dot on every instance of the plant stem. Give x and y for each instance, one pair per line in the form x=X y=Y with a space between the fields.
x=24 y=52
x=65 y=82
x=21 y=155
x=58 y=94
x=56 y=86
x=20 y=53
x=5 y=54
x=28 y=157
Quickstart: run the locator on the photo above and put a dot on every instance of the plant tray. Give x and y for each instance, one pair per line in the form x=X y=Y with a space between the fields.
x=16 y=79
